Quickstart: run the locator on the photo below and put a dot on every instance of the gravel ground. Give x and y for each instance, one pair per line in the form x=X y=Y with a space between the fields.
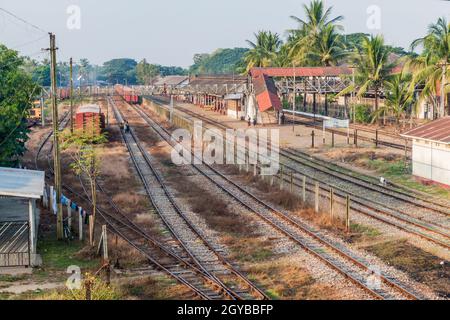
x=430 y=295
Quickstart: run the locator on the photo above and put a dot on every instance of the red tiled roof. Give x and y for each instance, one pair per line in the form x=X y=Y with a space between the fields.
x=266 y=93
x=436 y=131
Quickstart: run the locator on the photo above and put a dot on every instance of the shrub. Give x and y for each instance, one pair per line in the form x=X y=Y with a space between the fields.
x=363 y=113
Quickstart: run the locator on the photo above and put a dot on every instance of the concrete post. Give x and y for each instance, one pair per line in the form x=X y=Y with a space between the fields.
x=304 y=189
x=281 y=178
x=51 y=200
x=32 y=221
x=332 y=203
x=69 y=215
x=105 y=244
x=347 y=220
x=317 y=197
x=80 y=223
x=292 y=182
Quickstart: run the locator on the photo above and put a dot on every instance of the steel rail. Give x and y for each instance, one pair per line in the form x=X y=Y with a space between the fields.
x=180 y=212
x=390 y=282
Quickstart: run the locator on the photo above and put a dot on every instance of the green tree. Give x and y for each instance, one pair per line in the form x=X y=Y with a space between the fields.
x=317 y=33
x=432 y=68
x=84 y=69
x=329 y=48
x=264 y=51
x=399 y=97
x=146 y=72
x=373 y=69
x=221 y=61
x=83 y=150
x=17 y=92
x=120 y=71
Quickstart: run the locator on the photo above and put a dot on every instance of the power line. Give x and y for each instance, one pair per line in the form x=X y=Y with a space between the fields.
x=28 y=43
x=23 y=20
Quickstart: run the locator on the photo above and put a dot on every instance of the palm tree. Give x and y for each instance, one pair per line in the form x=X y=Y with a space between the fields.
x=264 y=51
x=311 y=30
x=84 y=68
x=399 y=97
x=373 y=69
x=329 y=48
x=432 y=68
x=282 y=59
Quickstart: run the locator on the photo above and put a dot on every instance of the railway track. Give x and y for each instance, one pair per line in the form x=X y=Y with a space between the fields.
x=385 y=143
x=336 y=256
x=62 y=124
x=205 y=255
x=167 y=257
x=368 y=199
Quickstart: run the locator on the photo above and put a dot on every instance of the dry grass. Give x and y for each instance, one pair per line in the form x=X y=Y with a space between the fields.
x=214 y=210
x=154 y=288
x=288 y=281
x=115 y=164
x=249 y=249
x=124 y=254
x=420 y=265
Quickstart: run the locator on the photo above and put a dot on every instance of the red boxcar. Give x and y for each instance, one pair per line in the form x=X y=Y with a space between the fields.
x=90 y=119
x=128 y=94
x=64 y=93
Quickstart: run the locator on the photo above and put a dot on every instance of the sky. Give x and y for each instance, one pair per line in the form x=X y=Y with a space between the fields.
x=170 y=32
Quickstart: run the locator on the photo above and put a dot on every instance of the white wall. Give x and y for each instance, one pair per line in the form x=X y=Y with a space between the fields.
x=431 y=161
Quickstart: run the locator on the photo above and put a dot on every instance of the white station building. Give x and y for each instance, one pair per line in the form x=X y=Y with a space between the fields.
x=431 y=151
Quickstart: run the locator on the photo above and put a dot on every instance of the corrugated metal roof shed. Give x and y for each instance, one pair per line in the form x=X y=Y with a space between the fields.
x=171 y=81
x=21 y=183
x=435 y=131
x=218 y=84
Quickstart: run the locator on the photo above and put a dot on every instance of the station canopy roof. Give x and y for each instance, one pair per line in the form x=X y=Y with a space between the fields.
x=21 y=183
x=219 y=85
x=302 y=72
x=171 y=81
x=435 y=131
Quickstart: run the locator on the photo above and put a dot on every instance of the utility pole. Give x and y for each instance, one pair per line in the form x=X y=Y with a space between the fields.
x=295 y=96
x=71 y=95
x=56 y=151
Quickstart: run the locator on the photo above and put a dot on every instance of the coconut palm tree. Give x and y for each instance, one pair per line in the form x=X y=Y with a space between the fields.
x=310 y=31
x=329 y=48
x=264 y=51
x=432 y=68
x=373 y=68
x=399 y=97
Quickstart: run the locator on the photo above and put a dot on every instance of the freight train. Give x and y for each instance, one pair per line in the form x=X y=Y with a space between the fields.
x=128 y=94
x=90 y=119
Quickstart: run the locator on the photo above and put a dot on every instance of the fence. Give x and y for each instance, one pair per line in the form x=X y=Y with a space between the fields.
x=15 y=244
